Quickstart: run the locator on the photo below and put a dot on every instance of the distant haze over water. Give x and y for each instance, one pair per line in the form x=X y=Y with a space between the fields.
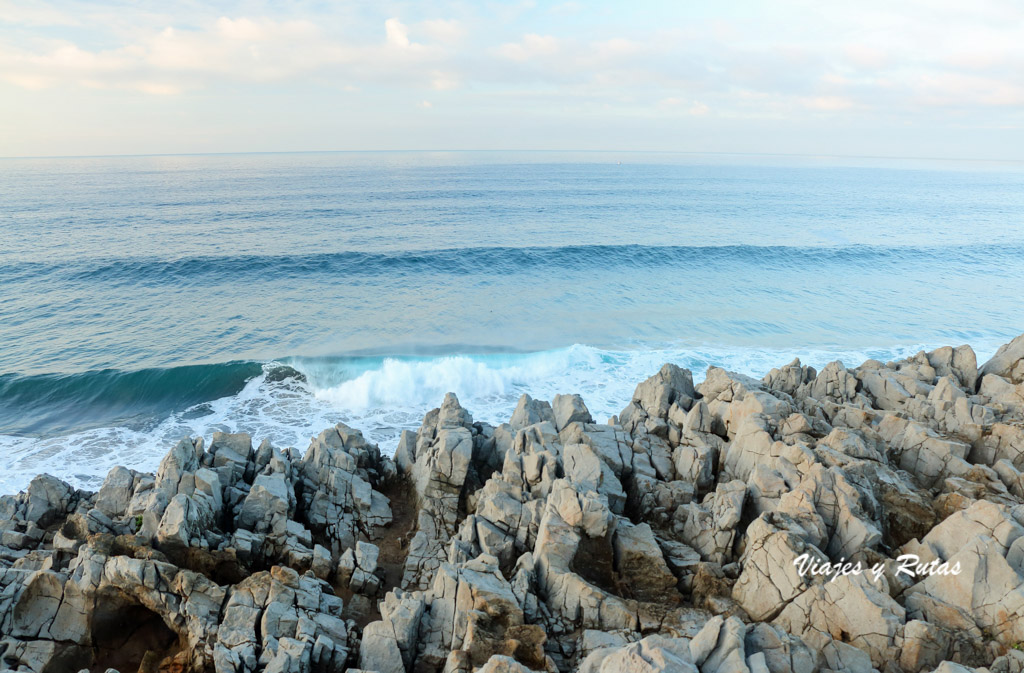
x=144 y=298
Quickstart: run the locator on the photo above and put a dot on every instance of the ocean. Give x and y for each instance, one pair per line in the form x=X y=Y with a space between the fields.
x=147 y=298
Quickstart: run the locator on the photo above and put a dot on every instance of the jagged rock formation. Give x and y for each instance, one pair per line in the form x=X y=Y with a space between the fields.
x=675 y=537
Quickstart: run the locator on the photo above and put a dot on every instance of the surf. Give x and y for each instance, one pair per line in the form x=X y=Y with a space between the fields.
x=469 y=260
x=78 y=427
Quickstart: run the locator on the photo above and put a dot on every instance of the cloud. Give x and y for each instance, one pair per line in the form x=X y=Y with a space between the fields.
x=567 y=8
x=874 y=59
x=695 y=108
x=828 y=103
x=960 y=91
x=34 y=14
x=443 y=31
x=530 y=47
x=240 y=49
x=864 y=57
x=397 y=33
x=444 y=81
x=699 y=109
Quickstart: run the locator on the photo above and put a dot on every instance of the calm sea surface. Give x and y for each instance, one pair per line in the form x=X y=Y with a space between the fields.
x=145 y=298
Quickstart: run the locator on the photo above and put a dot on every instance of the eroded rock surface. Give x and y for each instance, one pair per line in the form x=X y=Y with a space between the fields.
x=669 y=539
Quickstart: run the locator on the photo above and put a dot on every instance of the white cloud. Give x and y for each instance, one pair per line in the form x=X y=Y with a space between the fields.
x=956 y=90
x=530 y=47
x=822 y=59
x=874 y=62
x=34 y=14
x=397 y=33
x=567 y=8
x=827 y=103
x=443 y=81
x=444 y=31
x=695 y=108
x=699 y=109
x=240 y=49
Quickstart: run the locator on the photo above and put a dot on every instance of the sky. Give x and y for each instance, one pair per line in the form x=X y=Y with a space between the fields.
x=900 y=78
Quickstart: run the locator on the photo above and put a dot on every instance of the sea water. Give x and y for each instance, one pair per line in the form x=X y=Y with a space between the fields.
x=147 y=298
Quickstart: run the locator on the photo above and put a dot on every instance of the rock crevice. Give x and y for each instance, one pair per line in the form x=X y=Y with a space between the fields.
x=668 y=539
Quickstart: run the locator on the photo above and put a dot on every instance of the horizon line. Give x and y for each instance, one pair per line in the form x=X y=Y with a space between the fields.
x=510 y=151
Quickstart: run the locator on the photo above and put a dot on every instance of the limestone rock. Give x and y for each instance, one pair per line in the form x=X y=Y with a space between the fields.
x=439 y=475
x=849 y=610
x=834 y=383
x=788 y=379
x=1008 y=362
x=530 y=412
x=639 y=560
x=988 y=592
x=770 y=579
x=116 y=492
x=710 y=527
x=338 y=499
x=569 y=409
x=500 y=663
x=654 y=397
x=653 y=654
x=550 y=543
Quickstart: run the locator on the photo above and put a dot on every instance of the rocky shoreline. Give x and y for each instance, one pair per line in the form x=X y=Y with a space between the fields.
x=666 y=540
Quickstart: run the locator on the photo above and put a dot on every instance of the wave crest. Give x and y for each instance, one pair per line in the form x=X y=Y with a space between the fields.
x=490 y=260
x=379 y=395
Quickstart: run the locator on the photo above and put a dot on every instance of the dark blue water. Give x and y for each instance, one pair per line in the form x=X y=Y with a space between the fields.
x=146 y=297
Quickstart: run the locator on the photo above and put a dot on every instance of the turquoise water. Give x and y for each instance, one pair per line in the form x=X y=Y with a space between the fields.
x=143 y=298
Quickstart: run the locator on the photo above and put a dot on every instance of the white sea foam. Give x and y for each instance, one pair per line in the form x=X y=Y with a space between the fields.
x=384 y=396
x=490 y=385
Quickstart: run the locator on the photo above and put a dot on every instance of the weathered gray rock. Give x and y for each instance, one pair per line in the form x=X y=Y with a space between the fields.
x=1008 y=362
x=363 y=578
x=339 y=501
x=785 y=653
x=500 y=663
x=729 y=650
x=230 y=455
x=710 y=527
x=379 y=650
x=522 y=556
x=299 y=620
x=585 y=468
x=116 y=492
x=530 y=412
x=653 y=654
x=770 y=578
x=827 y=495
x=640 y=562
x=569 y=409
x=960 y=362
x=473 y=609
x=987 y=592
x=655 y=397
x=1005 y=397
x=788 y=379
x=185 y=523
x=753 y=445
x=1003 y=441
x=924 y=646
x=565 y=592
x=919 y=450
x=439 y=476
x=850 y=609
x=269 y=505
x=833 y=384
x=47 y=500
x=697 y=452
